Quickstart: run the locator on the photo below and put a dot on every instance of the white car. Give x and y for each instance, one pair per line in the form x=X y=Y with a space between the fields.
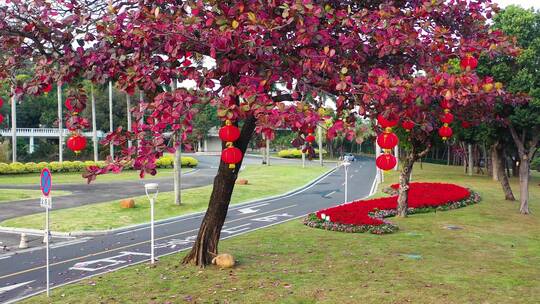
x=349 y=157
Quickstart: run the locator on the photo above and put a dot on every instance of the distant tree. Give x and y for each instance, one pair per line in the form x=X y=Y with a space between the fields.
x=521 y=117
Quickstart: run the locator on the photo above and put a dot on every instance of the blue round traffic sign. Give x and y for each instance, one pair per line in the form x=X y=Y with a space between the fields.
x=46 y=182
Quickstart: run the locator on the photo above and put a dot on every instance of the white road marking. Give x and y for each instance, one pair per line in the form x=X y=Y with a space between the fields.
x=271 y=218
x=249 y=210
x=6 y=257
x=68 y=243
x=109 y=262
x=329 y=194
x=15 y=286
x=236 y=229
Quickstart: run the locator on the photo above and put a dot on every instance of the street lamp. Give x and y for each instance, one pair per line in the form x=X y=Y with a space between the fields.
x=346 y=165
x=152 y=193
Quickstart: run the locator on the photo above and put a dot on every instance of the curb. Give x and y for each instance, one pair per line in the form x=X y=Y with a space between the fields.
x=122 y=229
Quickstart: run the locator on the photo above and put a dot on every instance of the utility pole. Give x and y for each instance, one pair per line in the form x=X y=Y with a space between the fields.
x=94 y=124
x=177 y=163
x=319 y=135
x=60 y=124
x=128 y=101
x=111 y=147
x=13 y=125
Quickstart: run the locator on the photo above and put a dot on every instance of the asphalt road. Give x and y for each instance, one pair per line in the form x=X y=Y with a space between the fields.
x=23 y=274
x=98 y=192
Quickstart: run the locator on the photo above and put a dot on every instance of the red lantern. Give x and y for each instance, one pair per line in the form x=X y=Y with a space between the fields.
x=469 y=63
x=1 y=119
x=408 y=125
x=465 y=124
x=386 y=162
x=69 y=104
x=47 y=88
x=1 y=102
x=447 y=118
x=310 y=138
x=386 y=123
x=445 y=104
x=76 y=143
x=445 y=132
x=387 y=140
x=231 y=156
x=229 y=133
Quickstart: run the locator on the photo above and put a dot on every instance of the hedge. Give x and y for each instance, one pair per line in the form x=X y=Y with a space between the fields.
x=296 y=153
x=79 y=166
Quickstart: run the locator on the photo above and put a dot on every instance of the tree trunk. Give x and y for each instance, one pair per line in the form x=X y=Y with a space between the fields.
x=404 y=180
x=501 y=175
x=524 y=184
x=206 y=245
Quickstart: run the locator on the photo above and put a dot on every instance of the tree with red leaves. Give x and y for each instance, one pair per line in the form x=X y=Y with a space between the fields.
x=263 y=64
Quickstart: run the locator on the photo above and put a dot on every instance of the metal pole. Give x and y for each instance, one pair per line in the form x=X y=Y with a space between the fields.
x=94 y=124
x=319 y=133
x=13 y=126
x=60 y=124
x=47 y=249
x=128 y=101
x=111 y=147
x=267 y=151
x=152 y=230
x=346 y=183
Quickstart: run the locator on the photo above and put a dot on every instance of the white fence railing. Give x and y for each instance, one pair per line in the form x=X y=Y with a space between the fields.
x=44 y=132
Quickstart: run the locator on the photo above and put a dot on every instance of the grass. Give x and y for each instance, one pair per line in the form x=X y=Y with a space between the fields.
x=76 y=177
x=493 y=259
x=10 y=195
x=263 y=181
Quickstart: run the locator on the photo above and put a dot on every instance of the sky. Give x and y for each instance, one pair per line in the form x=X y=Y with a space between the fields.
x=523 y=3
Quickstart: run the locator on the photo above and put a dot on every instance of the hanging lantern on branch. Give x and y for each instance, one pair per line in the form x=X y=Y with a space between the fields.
x=76 y=143
x=446 y=118
x=445 y=132
x=310 y=138
x=408 y=125
x=231 y=155
x=386 y=162
x=469 y=62
x=386 y=123
x=387 y=140
x=1 y=119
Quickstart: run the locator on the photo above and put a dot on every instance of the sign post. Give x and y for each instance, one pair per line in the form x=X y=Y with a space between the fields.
x=46 y=202
x=152 y=193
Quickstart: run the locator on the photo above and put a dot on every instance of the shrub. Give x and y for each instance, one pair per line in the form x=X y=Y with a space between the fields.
x=42 y=165
x=535 y=164
x=31 y=167
x=78 y=166
x=4 y=168
x=165 y=162
x=17 y=168
x=296 y=153
x=189 y=161
x=55 y=166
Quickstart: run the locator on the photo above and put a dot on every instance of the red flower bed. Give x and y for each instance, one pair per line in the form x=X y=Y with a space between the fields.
x=370 y=213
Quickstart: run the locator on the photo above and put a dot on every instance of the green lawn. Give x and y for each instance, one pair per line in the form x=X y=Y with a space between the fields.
x=76 y=177
x=495 y=258
x=263 y=181
x=9 y=195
